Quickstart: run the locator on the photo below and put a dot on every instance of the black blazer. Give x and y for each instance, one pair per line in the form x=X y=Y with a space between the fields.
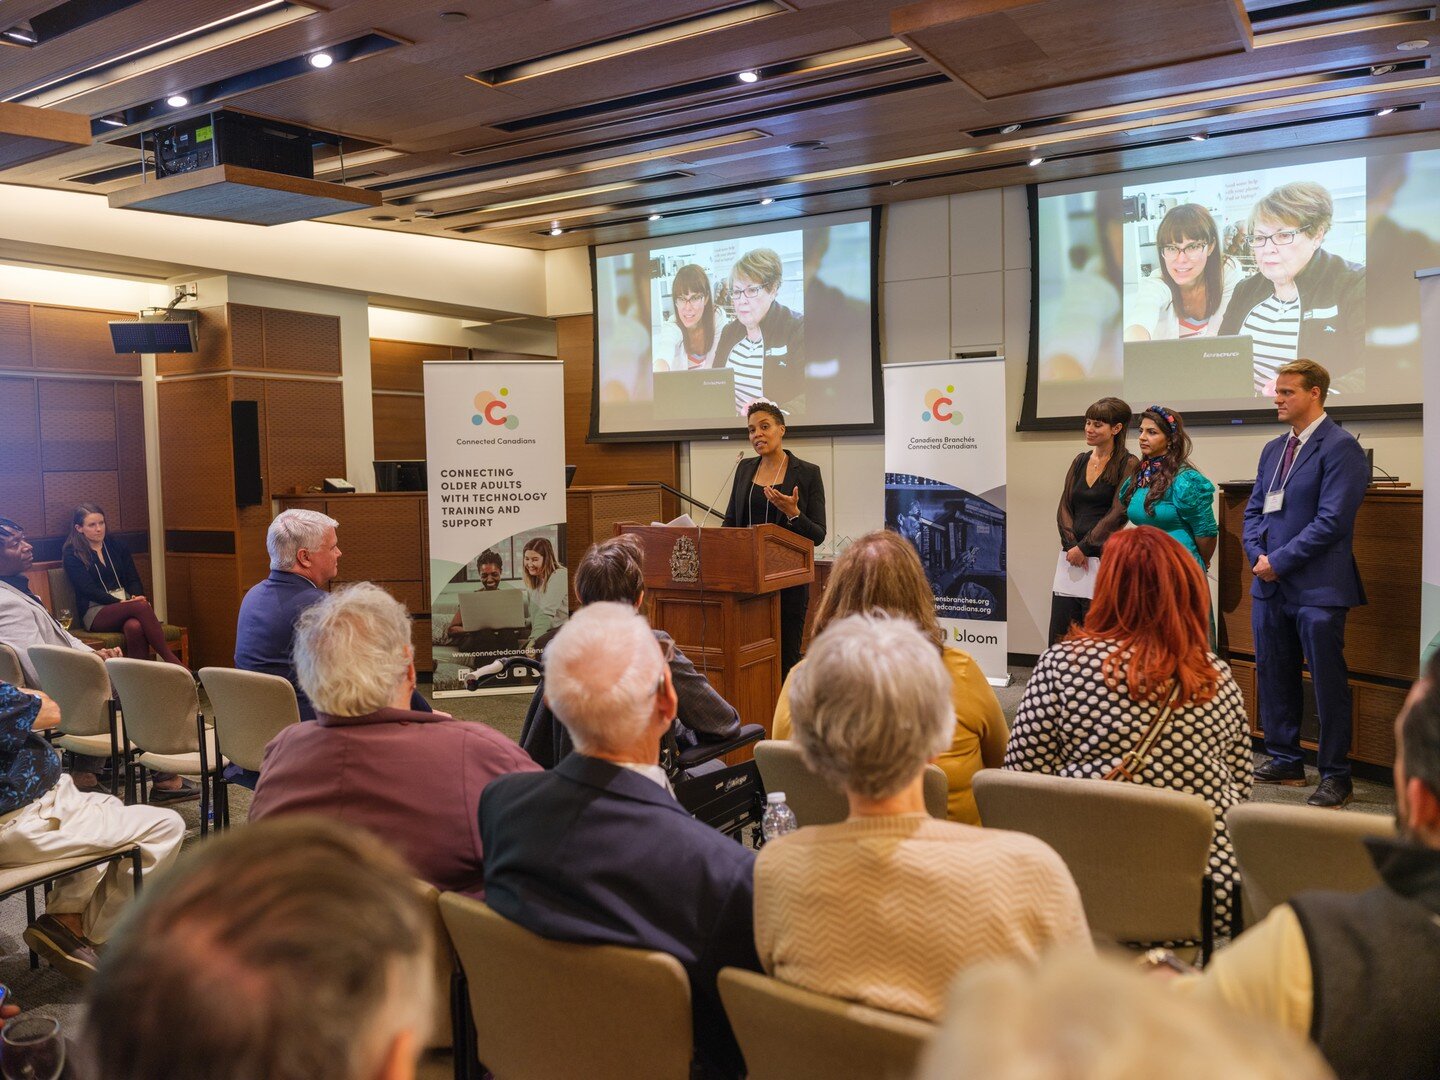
x=91 y=583
x=802 y=474
x=593 y=853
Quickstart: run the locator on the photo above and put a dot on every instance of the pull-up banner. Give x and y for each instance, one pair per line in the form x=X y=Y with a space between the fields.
x=945 y=493
x=499 y=589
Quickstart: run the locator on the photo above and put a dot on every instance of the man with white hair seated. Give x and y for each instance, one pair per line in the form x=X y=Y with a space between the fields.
x=304 y=559
x=912 y=899
x=597 y=850
x=285 y=950
x=411 y=778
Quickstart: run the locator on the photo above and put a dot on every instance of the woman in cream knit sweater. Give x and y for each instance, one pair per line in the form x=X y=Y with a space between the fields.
x=886 y=907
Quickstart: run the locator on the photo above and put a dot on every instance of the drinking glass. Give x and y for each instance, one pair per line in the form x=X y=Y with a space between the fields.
x=65 y=618
x=32 y=1048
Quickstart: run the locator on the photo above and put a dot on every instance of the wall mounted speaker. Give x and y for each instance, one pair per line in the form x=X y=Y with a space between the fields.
x=245 y=448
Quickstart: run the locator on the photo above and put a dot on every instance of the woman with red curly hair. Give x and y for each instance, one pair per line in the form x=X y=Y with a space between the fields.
x=1094 y=694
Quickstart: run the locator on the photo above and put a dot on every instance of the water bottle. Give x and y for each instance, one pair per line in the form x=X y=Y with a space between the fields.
x=779 y=819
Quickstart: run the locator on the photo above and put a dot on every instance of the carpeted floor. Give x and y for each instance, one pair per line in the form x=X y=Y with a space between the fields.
x=57 y=996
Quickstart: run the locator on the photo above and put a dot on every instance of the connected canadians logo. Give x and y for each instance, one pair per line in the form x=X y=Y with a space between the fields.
x=490 y=409
x=937 y=407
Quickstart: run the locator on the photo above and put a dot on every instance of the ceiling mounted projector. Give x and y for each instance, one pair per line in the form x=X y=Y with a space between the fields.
x=158 y=332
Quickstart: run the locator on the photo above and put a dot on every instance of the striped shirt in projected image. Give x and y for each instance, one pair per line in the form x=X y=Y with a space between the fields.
x=1274 y=326
x=747 y=360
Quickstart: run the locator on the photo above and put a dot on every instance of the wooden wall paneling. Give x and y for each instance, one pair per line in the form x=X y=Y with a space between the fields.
x=213 y=353
x=77 y=425
x=196 y=473
x=304 y=433
x=202 y=596
x=15 y=348
x=399 y=426
x=21 y=490
x=133 y=513
x=380 y=537
x=604 y=463
x=78 y=339
x=396 y=365
x=146 y=572
x=66 y=490
x=247 y=336
x=301 y=341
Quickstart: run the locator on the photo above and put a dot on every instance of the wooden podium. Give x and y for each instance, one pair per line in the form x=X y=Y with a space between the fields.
x=719 y=598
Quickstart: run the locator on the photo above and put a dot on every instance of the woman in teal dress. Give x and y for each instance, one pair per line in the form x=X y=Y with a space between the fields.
x=1170 y=493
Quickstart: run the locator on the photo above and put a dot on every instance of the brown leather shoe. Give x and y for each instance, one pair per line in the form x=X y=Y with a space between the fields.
x=67 y=952
x=1332 y=794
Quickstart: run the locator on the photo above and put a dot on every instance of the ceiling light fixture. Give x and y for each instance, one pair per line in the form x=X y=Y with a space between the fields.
x=453 y=16
x=1361 y=24
x=165 y=53
x=1413 y=45
x=1382 y=69
x=1009 y=129
x=766 y=201
x=1384 y=112
x=341 y=163
x=22 y=36
x=113 y=121
x=1036 y=161
x=556 y=230
x=1199 y=136
x=177 y=101
x=654 y=217
x=321 y=60
x=626 y=44
x=749 y=76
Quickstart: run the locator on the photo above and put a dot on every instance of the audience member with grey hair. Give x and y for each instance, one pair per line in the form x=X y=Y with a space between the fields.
x=913 y=899
x=292 y=950
x=304 y=559
x=597 y=850
x=411 y=778
x=1074 y=1017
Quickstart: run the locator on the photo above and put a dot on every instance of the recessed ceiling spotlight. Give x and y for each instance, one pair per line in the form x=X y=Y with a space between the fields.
x=809 y=144
x=22 y=36
x=1009 y=129
x=1413 y=45
x=556 y=230
x=749 y=76
x=654 y=217
x=177 y=101
x=1199 y=136
x=897 y=183
x=1385 y=112
x=425 y=211
x=766 y=201
x=1036 y=161
x=1382 y=69
x=321 y=60
x=453 y=16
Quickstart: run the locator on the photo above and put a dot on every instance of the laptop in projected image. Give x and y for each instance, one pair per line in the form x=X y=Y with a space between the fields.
x=705 y=394
x=1189 y=369
x=492 y=609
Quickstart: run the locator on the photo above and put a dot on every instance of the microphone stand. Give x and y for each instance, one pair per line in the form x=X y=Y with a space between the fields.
x=672 y=491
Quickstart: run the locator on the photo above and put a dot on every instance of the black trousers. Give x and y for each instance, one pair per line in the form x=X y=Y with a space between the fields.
x=794 y=602
x=1065 y=610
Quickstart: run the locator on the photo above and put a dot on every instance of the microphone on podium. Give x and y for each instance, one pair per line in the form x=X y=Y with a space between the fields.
x=710 y=506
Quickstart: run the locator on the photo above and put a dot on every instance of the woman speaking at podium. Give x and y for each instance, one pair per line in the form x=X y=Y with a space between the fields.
x=778 y=488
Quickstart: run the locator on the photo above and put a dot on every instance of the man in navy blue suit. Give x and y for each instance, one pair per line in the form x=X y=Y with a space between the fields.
x=597 y=850
x=1299 y=525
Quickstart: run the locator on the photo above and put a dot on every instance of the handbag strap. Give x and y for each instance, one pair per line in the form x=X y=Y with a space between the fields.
x=1134 y=762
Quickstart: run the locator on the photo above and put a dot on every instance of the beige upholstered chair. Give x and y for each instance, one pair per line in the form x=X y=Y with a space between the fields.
x=548 y=1010
x=442 y=1026
x=811 y=797
x=62 y=598
x=787 y=1033
x=10 y=670
x=1138 y=854
x=77 y=680
x=1283 y=850
x=28 y=878
x=163 y=720
x=248 y=709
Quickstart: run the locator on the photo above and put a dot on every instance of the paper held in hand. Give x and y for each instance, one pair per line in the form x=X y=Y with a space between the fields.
x=1075 y=580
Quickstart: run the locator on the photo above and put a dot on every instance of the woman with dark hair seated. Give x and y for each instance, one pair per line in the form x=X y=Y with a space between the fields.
x=108 y=589
x=1144 y=645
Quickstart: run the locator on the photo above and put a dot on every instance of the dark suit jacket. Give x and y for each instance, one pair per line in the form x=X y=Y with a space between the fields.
x=593 y=853
x=1309 y=538
x=92 y=583
x=802 y=474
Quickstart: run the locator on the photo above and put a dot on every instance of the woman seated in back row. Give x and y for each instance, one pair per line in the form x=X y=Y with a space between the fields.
x=1093 y=697
x=881 y=572
x=886 y=907
x=107 y=588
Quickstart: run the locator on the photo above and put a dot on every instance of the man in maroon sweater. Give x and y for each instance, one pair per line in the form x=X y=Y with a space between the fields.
x=412 y=778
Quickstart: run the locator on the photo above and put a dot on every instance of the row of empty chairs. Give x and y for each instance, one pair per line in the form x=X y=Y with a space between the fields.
x=145 y=716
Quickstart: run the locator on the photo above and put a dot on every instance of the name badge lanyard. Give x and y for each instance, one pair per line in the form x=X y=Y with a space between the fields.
x=1275 y=498
x=119 y=591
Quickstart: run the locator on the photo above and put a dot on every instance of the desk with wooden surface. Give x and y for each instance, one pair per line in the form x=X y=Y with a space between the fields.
x=1381 y=638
